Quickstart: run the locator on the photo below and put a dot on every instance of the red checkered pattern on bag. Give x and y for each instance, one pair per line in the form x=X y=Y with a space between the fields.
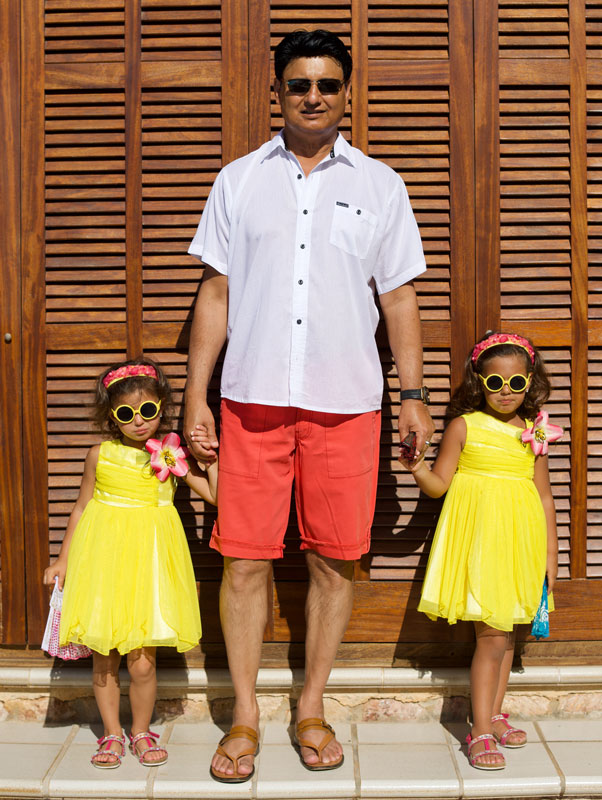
x=69 y=652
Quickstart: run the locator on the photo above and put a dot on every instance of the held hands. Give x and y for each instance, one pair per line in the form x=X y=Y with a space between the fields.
x=199 y=432
x=56 y=569
x=414 y=417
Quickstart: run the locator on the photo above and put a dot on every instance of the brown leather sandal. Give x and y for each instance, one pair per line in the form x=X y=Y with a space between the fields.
x=315 y=723
x=237 y=732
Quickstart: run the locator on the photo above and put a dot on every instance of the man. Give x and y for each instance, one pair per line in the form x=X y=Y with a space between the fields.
x=297 y=237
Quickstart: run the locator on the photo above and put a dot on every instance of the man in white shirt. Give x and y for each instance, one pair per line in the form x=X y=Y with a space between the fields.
x=297 y=237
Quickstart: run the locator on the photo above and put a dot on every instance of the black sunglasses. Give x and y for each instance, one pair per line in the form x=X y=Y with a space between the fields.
x=495 y=383
x=147 y=410
x=325 y=85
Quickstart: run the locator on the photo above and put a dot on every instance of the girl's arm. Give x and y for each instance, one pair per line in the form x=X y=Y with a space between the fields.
x=541 y=478
x=203 y=483
x=435 y=480
x=59 y=567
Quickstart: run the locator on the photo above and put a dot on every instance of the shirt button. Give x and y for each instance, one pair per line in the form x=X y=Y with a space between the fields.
x=300 y=283
x=299 y=176
x=305 y=211
x=302 y=247
x=298 y=322
x=358 y=211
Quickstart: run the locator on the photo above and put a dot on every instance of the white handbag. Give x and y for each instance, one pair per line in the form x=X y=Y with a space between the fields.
x=50 y=642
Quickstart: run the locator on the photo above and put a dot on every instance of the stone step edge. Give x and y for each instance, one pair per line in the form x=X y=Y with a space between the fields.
x=348 y=679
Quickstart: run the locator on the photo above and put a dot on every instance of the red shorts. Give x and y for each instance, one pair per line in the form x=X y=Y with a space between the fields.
x=334 y=461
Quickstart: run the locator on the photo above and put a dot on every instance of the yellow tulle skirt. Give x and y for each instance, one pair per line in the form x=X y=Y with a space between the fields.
x=488 y=557
x=130 y=581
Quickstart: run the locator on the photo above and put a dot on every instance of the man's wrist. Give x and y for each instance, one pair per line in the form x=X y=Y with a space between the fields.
x=422 y=394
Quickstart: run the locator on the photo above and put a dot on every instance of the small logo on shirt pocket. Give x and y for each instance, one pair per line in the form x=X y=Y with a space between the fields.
x=352 y=228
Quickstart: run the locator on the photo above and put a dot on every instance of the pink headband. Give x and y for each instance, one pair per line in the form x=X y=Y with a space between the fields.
x=502 y=338
x=129 y=371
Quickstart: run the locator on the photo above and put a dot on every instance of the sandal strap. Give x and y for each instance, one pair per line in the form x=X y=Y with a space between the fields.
x=150 y=735
x=111 y=737
x=509 y=729
x=484 y=737
x=238 y=732
x=315 y=723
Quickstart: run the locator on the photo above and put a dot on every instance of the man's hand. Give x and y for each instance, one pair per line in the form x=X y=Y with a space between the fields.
x=199 y=432
x=414 y=416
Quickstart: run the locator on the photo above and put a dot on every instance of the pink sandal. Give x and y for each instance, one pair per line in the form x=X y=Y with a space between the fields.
x=502 y=739
x=106 y=740
x=473 y=760
x=151 y=739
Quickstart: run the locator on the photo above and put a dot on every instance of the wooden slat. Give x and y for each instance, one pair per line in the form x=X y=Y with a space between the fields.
x=487 y=155
x=12 y=558
x=33 y=279
x=462 y=186
x=133 y=179
x=579 y=298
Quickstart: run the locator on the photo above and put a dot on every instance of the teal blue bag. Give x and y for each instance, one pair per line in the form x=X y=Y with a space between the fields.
x=540 y=627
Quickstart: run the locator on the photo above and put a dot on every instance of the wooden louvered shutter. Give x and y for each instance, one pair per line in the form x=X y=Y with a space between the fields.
x=125 y=139
x=532 y=244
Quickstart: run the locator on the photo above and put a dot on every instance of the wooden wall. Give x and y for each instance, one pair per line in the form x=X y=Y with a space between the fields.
x=120 y=114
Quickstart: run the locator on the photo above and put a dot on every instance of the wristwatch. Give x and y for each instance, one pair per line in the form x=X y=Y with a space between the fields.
x=416 y=394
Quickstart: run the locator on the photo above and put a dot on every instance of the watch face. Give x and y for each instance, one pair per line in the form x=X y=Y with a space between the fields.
x=426 y=395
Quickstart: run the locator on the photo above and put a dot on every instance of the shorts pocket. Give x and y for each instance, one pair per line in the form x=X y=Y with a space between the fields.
x=350 y=444
x=352 y=229
x=241 y=437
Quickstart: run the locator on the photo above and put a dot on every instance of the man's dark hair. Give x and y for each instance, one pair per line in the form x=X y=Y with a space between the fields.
x=308 y=44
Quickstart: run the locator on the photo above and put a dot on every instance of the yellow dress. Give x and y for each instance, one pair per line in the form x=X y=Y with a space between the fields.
x=130 y=581
x=488 y=559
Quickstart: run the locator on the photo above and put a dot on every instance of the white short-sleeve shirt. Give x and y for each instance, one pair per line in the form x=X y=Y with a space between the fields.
x=304 y=257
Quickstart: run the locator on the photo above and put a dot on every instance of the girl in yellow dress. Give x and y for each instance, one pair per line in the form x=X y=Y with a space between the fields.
x=496 y=537
x=125 y=563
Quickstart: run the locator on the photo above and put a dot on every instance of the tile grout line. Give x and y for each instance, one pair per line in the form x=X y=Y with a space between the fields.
x=552 y=758
x=152 y=777
x=255 y=777
x=356 y=761
x=58 y=758
x=452 y=752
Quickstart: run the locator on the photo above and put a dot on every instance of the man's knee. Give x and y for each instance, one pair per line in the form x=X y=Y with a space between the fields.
x=245 y=575
x=332 y=572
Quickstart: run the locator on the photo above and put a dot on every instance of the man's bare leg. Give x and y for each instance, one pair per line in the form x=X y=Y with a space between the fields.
x=327 y=612
x=243 y=613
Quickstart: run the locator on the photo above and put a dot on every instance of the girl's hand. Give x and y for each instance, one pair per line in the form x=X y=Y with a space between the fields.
x=201 y=436
x=55 y=570
x=551 y=570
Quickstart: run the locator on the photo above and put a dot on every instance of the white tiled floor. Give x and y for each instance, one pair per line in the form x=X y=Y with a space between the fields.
x=382 y=760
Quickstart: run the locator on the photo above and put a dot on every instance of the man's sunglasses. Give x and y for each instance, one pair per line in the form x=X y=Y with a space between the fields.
x=147 y=410
x=495 y=383
x=325 y=85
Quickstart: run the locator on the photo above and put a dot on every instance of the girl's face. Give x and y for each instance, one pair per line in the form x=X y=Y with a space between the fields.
x=504 y=403
x=136 y=432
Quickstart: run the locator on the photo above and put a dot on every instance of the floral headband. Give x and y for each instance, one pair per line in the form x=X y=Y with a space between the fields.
x=502 y=338
x=129 y=371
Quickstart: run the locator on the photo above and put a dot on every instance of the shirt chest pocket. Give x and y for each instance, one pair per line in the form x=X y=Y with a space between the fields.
x=352 y=229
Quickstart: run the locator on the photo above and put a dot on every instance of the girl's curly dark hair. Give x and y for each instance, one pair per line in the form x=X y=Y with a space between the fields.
x=105 y=399
x=469 y=396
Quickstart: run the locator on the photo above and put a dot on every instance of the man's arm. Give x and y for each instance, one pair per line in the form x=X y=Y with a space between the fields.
x=402 y=318
x=207 y=337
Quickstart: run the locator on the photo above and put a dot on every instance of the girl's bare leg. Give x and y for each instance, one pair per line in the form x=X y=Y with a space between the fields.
x=143 y=693
x=105 y=681
x=484 y=683
x=499 y=727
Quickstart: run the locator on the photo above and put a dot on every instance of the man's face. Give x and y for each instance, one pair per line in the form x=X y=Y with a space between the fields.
x=312 y=113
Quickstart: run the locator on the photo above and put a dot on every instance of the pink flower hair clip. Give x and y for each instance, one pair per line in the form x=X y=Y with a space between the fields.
x=541 y=433
x=129 y=371
x=502 y=338
x=167 y=456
